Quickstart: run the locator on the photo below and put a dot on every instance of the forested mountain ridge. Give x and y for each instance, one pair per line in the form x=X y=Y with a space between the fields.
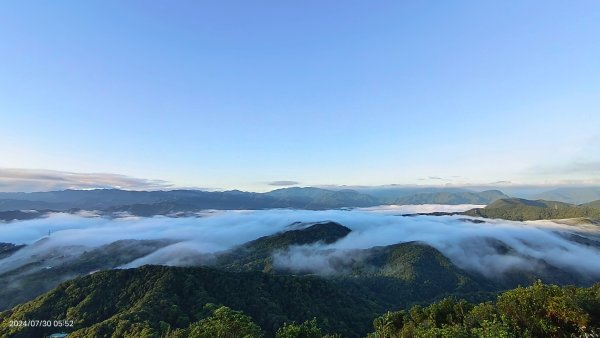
x=151 y=300
x=257 y=255
x=442 y=197
x=518 y=209
x=43 y=274
x=157 y=301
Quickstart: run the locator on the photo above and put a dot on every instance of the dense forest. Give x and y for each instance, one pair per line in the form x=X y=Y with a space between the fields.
x=155 y=301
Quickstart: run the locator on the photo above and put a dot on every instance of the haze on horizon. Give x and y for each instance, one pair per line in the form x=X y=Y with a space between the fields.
x=255 y=96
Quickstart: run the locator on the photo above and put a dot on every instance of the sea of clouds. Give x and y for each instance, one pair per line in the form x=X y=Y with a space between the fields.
x=469 y=245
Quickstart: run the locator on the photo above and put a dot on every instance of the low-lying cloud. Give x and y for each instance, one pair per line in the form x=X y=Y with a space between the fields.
x=492 y=247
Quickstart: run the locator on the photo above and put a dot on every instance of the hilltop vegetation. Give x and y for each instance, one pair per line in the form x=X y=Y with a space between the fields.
x=257 y=255
x=536 y=311
x=517 y=209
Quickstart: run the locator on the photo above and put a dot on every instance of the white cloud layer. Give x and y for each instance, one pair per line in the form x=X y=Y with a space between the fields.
x=469 y=245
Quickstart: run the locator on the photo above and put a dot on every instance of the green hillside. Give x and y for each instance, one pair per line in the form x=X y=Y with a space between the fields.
x=256 y=255
x=152 y=300
x=517 y=209
x=406 y=273
x=173 y=302
x=594 y=204
x=45 y=273
x=396 y=274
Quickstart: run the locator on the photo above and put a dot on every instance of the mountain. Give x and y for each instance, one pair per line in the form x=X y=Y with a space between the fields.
x=404 y=273
x=257 y=255
x=157 y=301
x=19 y=215
x=387 y=193
x=42 y=273
x=574 y=195
x=7 y=249
x=518 y=209
x=150 y=203
x=152 y=300
x=394 y=275
x=316 y=198
x=448 y=197
x=594 y=204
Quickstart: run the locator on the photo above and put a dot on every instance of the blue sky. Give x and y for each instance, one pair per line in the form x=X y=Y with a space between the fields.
x=237 y=94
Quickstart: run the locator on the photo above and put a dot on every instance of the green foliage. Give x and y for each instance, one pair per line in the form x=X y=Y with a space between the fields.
x=593 y=204
x=536 y=311
x=542 y=310
x=390 y=323
x=492 y=329
x=156 y=300
x=224 y=323
x=308 y=329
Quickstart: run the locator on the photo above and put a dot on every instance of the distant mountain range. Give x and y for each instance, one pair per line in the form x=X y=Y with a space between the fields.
x=183 y=202
x=577 y=195
x=148 y=203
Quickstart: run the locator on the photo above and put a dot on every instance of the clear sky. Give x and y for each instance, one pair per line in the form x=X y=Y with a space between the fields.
x=237 y=94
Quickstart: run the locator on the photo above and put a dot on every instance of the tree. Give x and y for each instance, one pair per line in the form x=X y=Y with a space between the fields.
x=224 y=323
x=542 y=311
x=308 y=329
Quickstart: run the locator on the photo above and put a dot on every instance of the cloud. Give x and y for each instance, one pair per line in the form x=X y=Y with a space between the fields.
x=283 y=183
x=469 y=245
x=27 y=180
x=419 y=208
